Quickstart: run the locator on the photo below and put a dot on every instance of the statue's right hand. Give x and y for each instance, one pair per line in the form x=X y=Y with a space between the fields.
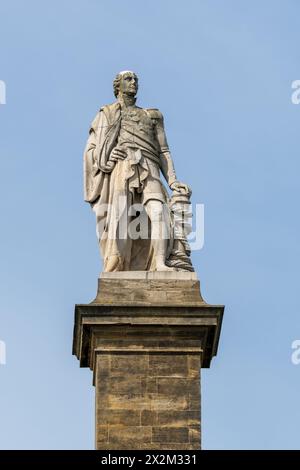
x=117 y=154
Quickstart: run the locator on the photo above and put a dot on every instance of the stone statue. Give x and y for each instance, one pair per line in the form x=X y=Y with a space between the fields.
x=139 y=226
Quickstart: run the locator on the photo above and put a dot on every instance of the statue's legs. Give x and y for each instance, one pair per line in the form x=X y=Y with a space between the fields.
x=160 y=232
x=112 y=232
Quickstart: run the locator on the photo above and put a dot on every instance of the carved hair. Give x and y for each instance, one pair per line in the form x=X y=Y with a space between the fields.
x=117 y=81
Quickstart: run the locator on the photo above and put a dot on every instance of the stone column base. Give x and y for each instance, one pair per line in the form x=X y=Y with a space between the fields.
x=146 y=337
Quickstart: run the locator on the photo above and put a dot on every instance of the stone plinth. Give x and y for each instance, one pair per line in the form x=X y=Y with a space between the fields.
x=146 y=337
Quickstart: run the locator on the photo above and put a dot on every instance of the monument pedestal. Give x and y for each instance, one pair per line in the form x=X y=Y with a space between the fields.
x=146 y=337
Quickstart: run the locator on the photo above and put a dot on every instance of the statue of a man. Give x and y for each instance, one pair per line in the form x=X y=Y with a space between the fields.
x=125 y=154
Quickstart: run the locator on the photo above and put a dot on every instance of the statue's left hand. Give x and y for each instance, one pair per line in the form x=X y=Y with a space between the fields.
x=117 y=154
x=181 y=188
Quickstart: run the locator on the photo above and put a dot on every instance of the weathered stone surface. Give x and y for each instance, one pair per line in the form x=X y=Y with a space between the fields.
x=170 y=435
x=194 y=434
x=168 y=402
x=145 y=410
x=178 y=419
x=102 y=434
x=194 y=365
x=177 y=386
x=164 y=365
x=124 y=365
x=118 y=417
x=148 y=417
x=143 y=287
x=150 y=275
x=130 y=437
x=133 y=401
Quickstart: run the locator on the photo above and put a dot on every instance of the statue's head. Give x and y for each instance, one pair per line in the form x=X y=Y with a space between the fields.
x=126 y=83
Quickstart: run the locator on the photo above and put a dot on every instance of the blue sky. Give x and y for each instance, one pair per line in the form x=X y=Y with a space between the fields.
x=221 y=73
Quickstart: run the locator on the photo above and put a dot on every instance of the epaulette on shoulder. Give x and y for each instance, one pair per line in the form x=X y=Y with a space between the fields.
x=154 y=113
x=104 y=107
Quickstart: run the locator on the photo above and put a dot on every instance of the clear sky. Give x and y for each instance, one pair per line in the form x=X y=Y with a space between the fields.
x=221 y=73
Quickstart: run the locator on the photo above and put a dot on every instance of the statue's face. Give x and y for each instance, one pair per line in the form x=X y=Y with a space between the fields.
x=129 y=84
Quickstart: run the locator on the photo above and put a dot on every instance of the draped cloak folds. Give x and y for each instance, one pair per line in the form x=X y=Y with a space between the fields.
x=111 y=187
